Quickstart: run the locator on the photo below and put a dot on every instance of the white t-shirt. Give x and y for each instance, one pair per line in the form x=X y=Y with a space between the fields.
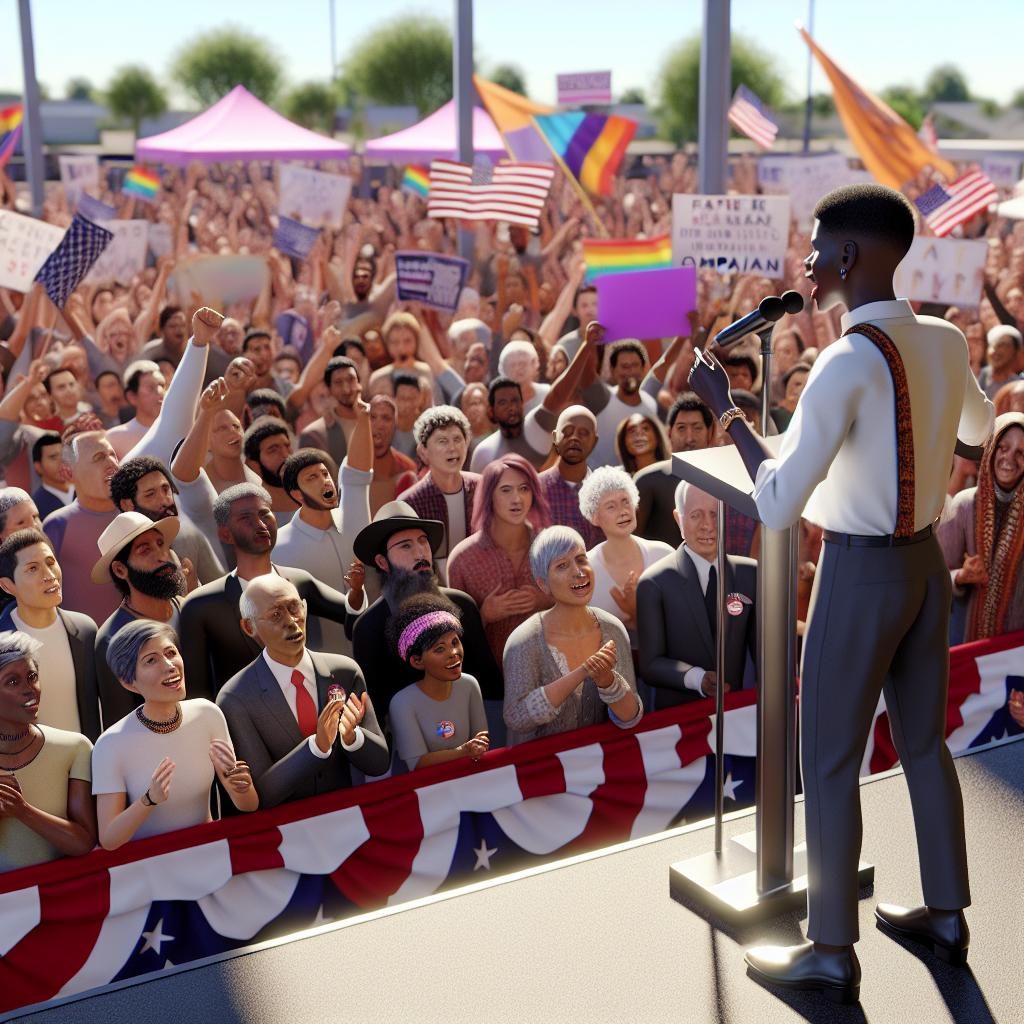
x=608 y=420
x=58 y=702
x=127 y=753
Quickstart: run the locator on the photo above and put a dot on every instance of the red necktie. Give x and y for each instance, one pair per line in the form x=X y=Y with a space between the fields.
x=305 y=709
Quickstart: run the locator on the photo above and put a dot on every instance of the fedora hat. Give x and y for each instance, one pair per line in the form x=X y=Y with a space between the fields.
x=390 y=518
x=123 y=530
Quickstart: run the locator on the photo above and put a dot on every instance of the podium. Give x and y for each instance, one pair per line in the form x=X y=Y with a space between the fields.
x=761 y=873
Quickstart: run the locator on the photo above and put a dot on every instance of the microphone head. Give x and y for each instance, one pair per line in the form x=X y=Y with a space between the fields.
x=772 y=308
x=793 y=301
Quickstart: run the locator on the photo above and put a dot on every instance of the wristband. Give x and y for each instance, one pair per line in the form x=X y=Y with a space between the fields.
x=728 y=416
x=147 y=800
x=614 y=693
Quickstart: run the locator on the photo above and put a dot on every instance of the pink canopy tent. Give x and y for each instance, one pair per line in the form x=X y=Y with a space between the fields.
x=238 y=127
x=436 y=137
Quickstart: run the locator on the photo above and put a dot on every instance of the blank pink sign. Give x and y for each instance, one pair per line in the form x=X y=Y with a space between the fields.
x=646 y=303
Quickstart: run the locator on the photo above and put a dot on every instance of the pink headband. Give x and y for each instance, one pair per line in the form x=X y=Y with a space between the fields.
x=419 y=626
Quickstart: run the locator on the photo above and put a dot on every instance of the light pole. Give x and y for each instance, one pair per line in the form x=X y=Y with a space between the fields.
x=462 y=76
x=32 y=131
x=715 y=76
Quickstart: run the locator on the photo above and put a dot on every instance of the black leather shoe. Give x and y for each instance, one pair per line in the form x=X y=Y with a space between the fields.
x=835 y=975
x=944 y=932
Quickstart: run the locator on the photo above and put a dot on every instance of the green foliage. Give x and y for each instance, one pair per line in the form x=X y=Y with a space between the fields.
x=405 y=62
x=78 y=89
x=906 y=101
x=211 y=64
x=134 y=94
x=312 y=105
x=510 y=76
x=946 y=84
x=1018 y=100
x=633 y=95
x=679 y=84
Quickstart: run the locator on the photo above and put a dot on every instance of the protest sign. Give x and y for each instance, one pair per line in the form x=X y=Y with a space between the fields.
x=731 y=234
x=219 y=279
x=125 y=256
x=945 y=270
x=805 y=179
x=584 y=87
x=293 y=238
x=430 y=278
x=161 y=239
x=96 y=211
x=312 y=197
x=646 y=303
x=24 y=245
x=78 y=174
x=1002 y=171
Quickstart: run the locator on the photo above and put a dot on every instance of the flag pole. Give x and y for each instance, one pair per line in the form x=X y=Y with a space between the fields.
x=581 y=191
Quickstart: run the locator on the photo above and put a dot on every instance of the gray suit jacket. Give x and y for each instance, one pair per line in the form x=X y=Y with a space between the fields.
x=674 y=632
x=266 y=734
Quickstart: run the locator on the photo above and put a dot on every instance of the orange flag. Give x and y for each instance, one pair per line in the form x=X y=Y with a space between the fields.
x=890 y=148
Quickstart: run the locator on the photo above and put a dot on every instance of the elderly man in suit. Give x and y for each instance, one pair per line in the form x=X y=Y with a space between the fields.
x=30 y=573
x=298 y=718
x=677 y=609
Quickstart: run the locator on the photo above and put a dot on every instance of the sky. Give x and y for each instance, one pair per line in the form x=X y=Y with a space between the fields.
x=878 y=42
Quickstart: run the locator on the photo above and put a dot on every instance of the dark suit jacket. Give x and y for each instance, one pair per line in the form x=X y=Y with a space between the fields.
x=674 y=632
x=266 y=735
x=212 y=642
x=81 y=632
x=45 y=501
x=386 y=673
x=328 y=439
x=657 y=486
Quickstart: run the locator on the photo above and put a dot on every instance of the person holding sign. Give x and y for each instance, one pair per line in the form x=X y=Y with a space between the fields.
x=868 y=453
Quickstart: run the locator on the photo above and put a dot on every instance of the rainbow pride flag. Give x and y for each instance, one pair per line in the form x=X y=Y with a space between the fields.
x=143 y=183
x=615 y=255
x=417 y=179
x=591 y=146
x=10 y=130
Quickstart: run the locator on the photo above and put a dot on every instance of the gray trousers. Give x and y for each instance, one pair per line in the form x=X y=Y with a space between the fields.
x=879 y=619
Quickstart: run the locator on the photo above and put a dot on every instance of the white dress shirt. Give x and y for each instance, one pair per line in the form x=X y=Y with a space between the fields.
x=838 y=463
x=283 y=675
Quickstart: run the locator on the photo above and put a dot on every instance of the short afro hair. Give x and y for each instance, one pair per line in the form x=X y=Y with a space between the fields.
x=628 y=345
x=259 y=431
x=265 y=396
x=300 y=460
x=868 y=210
x=124 y=484
x=437 y=418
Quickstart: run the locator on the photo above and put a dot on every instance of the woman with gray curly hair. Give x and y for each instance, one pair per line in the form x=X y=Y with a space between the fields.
x=609 y=499
x=46 y=808
x=569 y=666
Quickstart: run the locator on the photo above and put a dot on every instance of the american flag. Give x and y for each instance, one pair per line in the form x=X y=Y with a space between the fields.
x=510 y=192
x=76 y=252
x=945 y=207
x=747 y=115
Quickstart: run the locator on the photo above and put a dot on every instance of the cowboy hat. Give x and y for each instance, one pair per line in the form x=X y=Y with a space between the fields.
x=390 y=518
x=123 y=530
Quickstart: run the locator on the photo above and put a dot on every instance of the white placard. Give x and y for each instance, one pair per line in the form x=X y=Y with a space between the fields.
x=161 y=239
x=24 y=245
x=805 y=179
x=946 y=270
x=731 y=234
x=1002 y=171
x=312 y=197
x=125 y=256
x=78 y=174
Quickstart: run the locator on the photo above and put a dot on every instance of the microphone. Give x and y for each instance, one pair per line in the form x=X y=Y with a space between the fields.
x=769 y=310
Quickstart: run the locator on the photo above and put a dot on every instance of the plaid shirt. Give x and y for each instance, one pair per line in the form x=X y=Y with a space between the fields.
x=564 y=502
x=739 y=532
x=429 y=501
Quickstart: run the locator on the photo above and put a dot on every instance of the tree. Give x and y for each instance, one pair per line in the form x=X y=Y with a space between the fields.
x=211 y=64
x=133 y=94
x=312 y=105
x=78 y=89
x=946 y=84
x=633 y=95
x=511 y=77
x=905 y=100
x=1017 y=103
x=679 y=84
x=405 y=62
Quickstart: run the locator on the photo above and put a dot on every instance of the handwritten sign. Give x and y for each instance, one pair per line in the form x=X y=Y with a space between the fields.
x=125 y=256
x=646 y=303
x=24 y=245
x=584 y=87
x=731 y=234
x=219 y=279
x=946 y=270
x=805 y=179
x=293 y=238
x=430 y=278
x=312 y=197
x=78 y=174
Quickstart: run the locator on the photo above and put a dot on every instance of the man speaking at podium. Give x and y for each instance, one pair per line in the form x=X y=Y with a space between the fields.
x=867 y=457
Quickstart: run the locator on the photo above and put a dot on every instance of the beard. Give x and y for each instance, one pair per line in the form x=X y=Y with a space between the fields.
x=270 y=477
x=170 y=510
x=401 y=584
x=159 y=584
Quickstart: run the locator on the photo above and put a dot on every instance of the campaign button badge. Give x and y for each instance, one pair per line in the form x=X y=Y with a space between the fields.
x=445 y=729
x=335 y=692
x=734 y=606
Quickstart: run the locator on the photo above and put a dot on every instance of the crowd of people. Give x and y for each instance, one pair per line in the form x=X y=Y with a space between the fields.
x=261 y=552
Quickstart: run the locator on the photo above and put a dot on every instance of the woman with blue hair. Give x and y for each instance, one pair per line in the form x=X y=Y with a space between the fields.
x=569 y=666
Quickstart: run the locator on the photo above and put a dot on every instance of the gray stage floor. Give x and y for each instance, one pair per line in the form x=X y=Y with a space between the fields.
x=599 y=939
